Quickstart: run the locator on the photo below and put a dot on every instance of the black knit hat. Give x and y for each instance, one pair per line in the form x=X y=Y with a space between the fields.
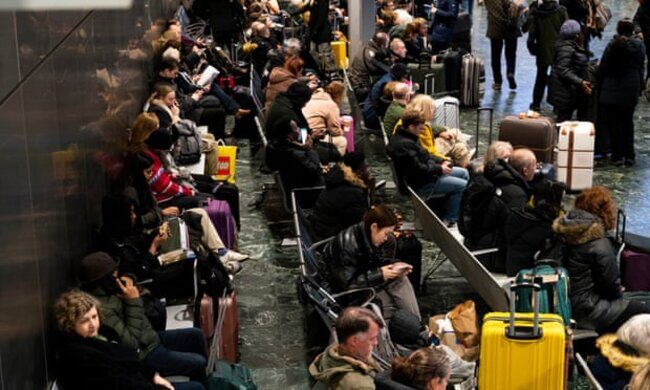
x=95 y=266
x=299 y=93
x=399 y=71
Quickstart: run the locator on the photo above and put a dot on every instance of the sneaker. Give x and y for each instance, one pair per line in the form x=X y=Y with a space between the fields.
x=233 y=267
x=234 y=256
x=629 y=162
x=511 y=81
x=496 y=86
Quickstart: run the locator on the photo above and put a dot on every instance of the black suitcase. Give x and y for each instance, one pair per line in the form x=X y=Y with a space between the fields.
x=409 y=250
x=462 y=38
x=452 y=60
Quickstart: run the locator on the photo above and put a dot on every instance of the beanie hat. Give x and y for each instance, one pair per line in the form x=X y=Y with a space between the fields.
x=95 y=266
x=570 y=29
x=299 y=93
x=404 y=327
x=354 y=160
x=399 y=71
x=160 y=139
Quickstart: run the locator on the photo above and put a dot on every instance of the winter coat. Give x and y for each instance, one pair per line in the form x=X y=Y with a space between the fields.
x=96 y=363
x=298 y=167
x=621 y=73
x=444 y=21
x=322 y=112
x=260 y=55
x=393 y=114
x=127 y=319
x=373 y=61
x=642 y=20
x=570 y=64
x=341 y=372
x=279 y=81
x=578 y=10
x=544 y=22
x=515 y=192
x=352 y=261
x=427 y=138
x=372 y=108
x=415 y=166
x=280 y=115
x=497 y=27
x=343 y=202
x=526 y=232
x=162 y=183
x=616 y=363
x=590 y=258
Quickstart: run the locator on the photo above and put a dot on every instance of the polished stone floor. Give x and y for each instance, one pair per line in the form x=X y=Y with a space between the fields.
x=272 y=321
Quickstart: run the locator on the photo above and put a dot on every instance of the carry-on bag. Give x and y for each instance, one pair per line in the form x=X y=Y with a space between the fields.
x=225 y=343
x=536 y=134
x=430 y=79
x=575 y=159
x=452 y=61
x=229 y=376
x=522 y=351
x=447 y=112
x=554 y=294
x=223 y=221
x=340 y=52
x=472 y=84
x=220 y=190
x=347 y=125
x=634 y=257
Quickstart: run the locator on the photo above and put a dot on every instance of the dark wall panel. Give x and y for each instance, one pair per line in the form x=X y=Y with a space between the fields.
x=9 y=69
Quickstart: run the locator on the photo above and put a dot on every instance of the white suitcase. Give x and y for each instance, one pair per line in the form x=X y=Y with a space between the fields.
x=447 y=112
x=575 y=160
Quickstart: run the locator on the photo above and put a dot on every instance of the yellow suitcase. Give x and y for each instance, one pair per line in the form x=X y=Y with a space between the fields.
x=340 y=51
x=523 y=356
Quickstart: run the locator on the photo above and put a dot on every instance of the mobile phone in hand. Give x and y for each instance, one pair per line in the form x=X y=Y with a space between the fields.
x=303 y=135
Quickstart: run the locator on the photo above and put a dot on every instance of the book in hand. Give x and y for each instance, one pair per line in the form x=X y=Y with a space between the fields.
x=176 y=247
x=209 y=74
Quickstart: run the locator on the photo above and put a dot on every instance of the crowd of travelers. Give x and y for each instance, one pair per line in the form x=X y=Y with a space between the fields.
x=111 y=331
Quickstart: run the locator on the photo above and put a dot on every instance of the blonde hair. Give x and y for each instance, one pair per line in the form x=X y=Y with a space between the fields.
x=498 y=150
x=641 y=379
x=70 y=307
x=636 y=333
x=423 y=104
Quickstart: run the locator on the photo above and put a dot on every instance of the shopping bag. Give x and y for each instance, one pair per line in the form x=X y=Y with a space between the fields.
x=463 y=319
x=226 y=160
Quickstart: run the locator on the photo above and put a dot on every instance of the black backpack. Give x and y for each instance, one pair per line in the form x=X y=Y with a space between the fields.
x=187 y=150
x=477 y=198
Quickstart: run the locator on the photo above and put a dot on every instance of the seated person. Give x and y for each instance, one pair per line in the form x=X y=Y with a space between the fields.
x=263 y=42
x=296 y=161
x=286 y=108
x=395 y=110
x=427 y=174
x=90 y=355
x=590 y=257
x=641 y=379
x=371 y=62
x=354 y=260
x=169 y=353
x=415 y=38
x=281 y=78
x=345 y=198
x=426 y=368
x=528 y=229
x=372 y=105
x=513 y=176
x=349 y=365
x=323 y=115
x=622 y=353
x=498 y=150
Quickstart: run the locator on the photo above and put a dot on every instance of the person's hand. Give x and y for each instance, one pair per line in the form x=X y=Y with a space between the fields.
x=445 y=135
x=433 y=9
x=446 y=167
x=207 y=88
x=160 y=381
x=172 y=211
x=196 y=77
x=389 y=273
x=129 y=289
x=639 y=35
x=309 y=143
x=197 y=95
x=586 y=87
x=162 y=236
x=176 y=111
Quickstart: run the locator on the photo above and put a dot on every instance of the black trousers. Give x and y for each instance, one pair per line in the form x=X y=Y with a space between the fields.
x=496 y=47
x=541 y=81
x=619 y=122
x=633 y=308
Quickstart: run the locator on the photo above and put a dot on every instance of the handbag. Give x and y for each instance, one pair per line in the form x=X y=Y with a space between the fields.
x=226 y=162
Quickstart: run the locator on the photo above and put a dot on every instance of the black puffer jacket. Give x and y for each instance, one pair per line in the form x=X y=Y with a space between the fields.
x=621 y=72
x=341 y=204
x=414 y=165
x=570 y=65
x=526 y=232
x=590 y=258
x=515 y=192
x=352 y=261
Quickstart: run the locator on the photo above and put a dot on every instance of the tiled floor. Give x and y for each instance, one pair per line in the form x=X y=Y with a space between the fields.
x=272 y=321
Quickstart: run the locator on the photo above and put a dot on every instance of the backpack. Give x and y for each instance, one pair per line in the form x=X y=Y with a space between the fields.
x=478 y=195
x=554 y=295
x=187 y=150
x=230 y=376
x=599 y=16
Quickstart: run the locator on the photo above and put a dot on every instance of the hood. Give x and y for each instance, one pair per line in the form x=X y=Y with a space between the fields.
x=343 y=175
x=320 y=94
x=547 y=8
x=619 y=354
x=501 y=174
x=330 y=366
x=578 y=227
x=279 y=75
x=562 y=43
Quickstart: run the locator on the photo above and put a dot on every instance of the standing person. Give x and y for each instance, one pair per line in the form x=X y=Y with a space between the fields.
x=621 y=72
x=642 y=25
x=501 y=34
x=578 y=10
x=544 y=22
x=570 y=88
x=445 y=16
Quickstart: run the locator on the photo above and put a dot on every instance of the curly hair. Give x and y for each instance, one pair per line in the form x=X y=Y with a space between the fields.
x=70 y=307
x=598 y=201
x=420 y=367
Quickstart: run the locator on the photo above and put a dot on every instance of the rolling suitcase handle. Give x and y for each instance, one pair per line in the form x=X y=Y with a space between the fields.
x=444 y=113
x=511 y=330
x=621 y=221
x=478 y=122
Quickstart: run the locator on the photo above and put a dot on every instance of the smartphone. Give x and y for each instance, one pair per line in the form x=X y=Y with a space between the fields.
x=303 y=135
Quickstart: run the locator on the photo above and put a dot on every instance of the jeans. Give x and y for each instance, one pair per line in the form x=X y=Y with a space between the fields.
x=229 y=104
x=496 y=47
x=192 y=385
x=619 y=122
x=452 y=184
x=181 y=352
x=541 y=81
